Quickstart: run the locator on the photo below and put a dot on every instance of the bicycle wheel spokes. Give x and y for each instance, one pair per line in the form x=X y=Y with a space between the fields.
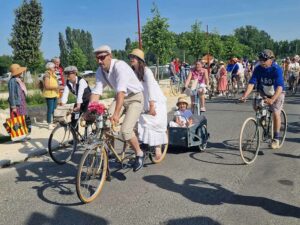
x=62 y=144
x=283 y=128
x=249 y=140
x=91 y=174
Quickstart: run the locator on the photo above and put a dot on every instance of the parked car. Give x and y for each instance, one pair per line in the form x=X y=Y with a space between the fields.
x=87 y=73
x=5 y=77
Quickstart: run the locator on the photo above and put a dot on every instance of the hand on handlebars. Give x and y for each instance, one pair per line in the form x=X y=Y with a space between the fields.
x=114 y=119
x=243 y=99
x=268 y=101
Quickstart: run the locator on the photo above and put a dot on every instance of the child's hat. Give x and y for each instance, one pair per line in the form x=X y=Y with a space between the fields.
x=182 y=100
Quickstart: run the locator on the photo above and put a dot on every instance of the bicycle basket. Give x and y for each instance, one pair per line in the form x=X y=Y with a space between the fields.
x=62 y=114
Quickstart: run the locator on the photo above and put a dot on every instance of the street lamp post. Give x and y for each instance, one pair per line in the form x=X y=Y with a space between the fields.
x=139 y=29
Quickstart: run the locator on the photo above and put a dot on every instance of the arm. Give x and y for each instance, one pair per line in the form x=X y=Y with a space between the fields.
x=65 y=96
x=98 y=89
x=206 y=78
x=12 y=89
x=149 y=79
x=82 y=85
x=48 y=85
x=188 y=80
x=247 y=92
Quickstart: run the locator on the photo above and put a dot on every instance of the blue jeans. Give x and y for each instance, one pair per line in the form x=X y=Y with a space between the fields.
x=51 y=105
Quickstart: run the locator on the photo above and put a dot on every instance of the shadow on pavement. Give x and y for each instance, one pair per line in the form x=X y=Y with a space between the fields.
x=207 y=193
x=51 y=181
x=288 y=155
x=294 y=127
x=203 y=220
x=64 y=215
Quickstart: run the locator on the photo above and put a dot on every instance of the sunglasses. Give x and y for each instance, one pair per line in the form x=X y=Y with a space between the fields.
x=264 y=57
x=101 y=57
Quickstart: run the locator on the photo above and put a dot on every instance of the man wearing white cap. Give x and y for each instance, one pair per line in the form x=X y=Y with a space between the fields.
x=129 y=96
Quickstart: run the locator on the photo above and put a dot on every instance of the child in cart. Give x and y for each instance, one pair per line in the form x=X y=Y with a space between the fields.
x=183 y=116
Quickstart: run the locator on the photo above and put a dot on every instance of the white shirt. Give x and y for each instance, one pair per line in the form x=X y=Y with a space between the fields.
x=294 y=67
x=82 y=85
x=120 y=76
x=152 y=91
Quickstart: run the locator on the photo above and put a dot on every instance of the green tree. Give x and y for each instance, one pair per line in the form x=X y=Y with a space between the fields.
x=196 y=41
x=26 y=34
x=5 y=62
x=76 y=38
x=214 y=45
x=156 y=37
x=77 y=58
x=255 y=39
x=232 y=47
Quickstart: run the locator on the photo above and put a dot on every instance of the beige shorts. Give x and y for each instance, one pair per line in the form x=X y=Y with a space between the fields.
x=132 y=107
x=278 y=104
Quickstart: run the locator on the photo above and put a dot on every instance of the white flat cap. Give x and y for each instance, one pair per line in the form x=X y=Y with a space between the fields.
x=103 y=48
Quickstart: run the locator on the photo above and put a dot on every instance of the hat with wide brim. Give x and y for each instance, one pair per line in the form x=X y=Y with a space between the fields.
x=182 y=100
x=138 y=53
x=16 y=69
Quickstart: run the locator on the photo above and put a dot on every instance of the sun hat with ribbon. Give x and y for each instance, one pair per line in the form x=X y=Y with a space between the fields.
x=182 y=100
x=16 y=69
x=138 y=53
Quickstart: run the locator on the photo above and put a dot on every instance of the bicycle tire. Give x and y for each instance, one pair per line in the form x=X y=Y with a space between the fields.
x=62 y=144
x=203 y=134
x=89 y=173
x=164 y=149
x=248 y=152
x=283 y=128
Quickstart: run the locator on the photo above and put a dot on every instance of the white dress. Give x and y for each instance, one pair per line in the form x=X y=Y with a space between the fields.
x=152 y=129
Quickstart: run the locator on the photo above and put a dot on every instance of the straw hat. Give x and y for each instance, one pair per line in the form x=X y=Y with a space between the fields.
x=182 y=100
x=138 y=53
x=16 y=69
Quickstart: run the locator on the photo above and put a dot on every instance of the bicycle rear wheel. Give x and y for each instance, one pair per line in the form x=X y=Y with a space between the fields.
x=164 y=149
x=91 y=174
x=62 y=143
x=174 y=85
x=249 y=140
x=202 y=133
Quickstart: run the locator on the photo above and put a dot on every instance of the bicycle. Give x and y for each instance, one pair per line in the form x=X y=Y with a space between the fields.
x=93 y=169
x=64 y=139
x=293 y=86
x=176 y=84
x=250 y=136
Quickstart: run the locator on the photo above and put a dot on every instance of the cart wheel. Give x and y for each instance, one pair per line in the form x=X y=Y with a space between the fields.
x=202 y=133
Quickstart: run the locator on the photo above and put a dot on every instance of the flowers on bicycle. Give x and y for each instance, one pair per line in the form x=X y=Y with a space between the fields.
x=95 y=107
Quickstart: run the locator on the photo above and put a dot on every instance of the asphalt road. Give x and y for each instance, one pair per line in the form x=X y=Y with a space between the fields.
x=189 y=187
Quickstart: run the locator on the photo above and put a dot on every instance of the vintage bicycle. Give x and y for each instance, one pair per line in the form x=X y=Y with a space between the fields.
x=258 y=128
x=94 y=166
x=64 y=139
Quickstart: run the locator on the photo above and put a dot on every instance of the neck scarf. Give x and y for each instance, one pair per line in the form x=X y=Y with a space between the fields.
x=22 y=85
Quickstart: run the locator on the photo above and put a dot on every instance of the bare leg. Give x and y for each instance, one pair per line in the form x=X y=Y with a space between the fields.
x=136 y=146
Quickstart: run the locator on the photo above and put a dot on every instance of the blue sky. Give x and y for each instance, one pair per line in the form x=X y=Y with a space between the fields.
x=112 y=21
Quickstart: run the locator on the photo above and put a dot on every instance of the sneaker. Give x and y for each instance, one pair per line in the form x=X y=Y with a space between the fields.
x=275 y=144
x=202 y=109
x=220 y=95
x=139 y=163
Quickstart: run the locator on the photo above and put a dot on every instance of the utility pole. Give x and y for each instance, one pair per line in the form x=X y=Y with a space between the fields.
x=138 y=17
x=208 y=61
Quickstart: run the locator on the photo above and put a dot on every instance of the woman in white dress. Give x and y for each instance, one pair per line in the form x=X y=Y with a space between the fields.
x=152 y=125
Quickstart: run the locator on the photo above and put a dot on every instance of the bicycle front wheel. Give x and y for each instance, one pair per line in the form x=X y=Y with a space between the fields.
x=91 y=174
x=164 y=149
x=249 y=140
x=62 y=143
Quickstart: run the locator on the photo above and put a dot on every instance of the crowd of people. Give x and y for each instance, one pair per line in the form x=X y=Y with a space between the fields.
x=138 y=93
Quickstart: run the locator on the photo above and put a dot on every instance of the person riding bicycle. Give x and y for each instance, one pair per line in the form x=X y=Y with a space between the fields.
x=78 y=87
x=268 y=78
x=199 y=75
x=120 y=77
x=293 y=72
x=234 y=68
